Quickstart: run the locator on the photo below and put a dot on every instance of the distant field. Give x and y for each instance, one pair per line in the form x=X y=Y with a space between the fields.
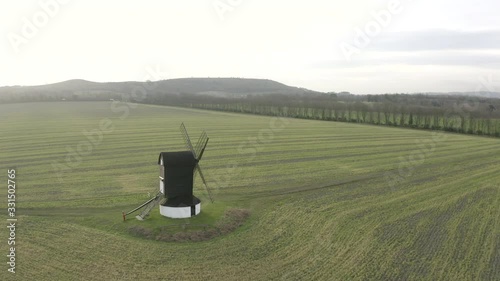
x=328 y=200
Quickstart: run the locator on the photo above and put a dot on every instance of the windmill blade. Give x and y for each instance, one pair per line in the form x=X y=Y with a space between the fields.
x=199 y=144
x=187 y=140
x=198 y=169
x=202 y=149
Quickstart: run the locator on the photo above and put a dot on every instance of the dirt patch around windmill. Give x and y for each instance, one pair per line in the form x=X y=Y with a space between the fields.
x=230 y=221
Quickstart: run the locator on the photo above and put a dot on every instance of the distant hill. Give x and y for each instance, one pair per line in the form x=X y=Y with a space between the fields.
x=79 y=89
x=220 y=87
x=228 y=86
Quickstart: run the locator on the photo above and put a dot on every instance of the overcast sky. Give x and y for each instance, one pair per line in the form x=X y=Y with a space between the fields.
x=362 y=46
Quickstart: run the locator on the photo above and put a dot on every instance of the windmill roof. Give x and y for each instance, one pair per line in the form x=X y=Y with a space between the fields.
x=179 y=158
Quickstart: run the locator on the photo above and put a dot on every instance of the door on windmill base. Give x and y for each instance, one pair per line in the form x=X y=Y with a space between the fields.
x=162 y=185
x=162 y=178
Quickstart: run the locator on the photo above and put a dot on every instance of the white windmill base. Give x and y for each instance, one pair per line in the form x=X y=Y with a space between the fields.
x=179 y=212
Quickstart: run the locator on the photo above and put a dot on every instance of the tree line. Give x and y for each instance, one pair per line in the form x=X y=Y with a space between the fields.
x=454 y=113
x=460 y=114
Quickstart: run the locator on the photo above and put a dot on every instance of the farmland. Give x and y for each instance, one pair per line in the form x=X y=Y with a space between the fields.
x=327 y=200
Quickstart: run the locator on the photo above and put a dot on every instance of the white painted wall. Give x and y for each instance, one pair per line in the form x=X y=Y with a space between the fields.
x=179 y=212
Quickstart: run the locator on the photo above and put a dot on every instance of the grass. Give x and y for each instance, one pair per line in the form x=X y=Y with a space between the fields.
x=322 y=205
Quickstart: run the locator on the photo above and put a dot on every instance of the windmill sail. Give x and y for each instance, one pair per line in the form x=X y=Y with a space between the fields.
x=200 y=145
x=198 y=169
x=187 y=140
x=197 y=151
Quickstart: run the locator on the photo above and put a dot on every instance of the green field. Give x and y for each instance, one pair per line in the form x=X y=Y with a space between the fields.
x=323 y=198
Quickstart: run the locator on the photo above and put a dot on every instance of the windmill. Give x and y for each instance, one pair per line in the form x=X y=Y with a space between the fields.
x=177 y=173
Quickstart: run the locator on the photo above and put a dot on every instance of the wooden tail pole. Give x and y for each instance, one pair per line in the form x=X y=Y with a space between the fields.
x=144 y=204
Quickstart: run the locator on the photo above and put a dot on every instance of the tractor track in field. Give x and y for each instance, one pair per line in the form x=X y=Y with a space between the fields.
x=105 y=154
x=307 y=188
x=69 y=211
x=335 y=184
x=338 y=183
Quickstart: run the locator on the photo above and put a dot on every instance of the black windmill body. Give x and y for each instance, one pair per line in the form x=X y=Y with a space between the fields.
x=177 y=173
x=176 y=176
